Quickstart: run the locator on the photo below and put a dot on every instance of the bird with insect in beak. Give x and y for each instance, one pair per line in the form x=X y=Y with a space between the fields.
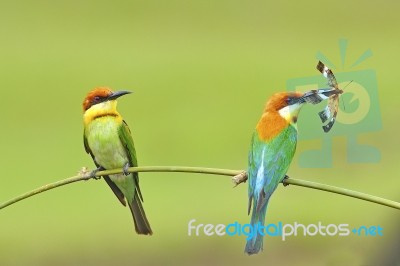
x=108 y=140
x=272 y=148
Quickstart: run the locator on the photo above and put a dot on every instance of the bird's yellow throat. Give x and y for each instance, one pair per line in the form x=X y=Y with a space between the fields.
x=108 y=108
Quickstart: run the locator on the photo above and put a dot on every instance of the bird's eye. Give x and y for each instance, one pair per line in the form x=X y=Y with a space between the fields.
x=96 y=98
x=291 y=100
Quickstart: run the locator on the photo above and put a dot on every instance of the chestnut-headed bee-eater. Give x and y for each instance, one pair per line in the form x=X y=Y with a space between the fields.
x=108 y=140
x=271 y=152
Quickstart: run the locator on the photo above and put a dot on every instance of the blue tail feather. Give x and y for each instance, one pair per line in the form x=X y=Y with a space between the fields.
x=254 y=245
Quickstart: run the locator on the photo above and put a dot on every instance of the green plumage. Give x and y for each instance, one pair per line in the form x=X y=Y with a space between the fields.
x=268 y=164
x=109 y=142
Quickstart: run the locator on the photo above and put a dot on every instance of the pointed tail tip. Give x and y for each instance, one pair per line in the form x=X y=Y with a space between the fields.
x=146 y=231
x=252 y=248
x=142 y=225
x=251 y=251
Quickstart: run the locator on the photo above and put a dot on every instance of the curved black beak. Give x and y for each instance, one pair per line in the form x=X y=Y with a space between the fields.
x=117 y=94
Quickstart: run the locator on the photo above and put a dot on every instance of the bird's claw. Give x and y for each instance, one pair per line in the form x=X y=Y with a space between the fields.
x=95 y=171
x=284 y=181
x=125 y=170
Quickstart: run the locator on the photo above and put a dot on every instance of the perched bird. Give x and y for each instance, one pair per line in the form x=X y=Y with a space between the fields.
x=271 y=152
x=108 y=140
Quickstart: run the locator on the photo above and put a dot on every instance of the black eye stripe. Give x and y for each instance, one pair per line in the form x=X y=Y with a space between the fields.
x=294 y=100
x=98 y=99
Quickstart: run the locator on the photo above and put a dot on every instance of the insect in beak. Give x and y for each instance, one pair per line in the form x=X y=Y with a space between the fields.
x=331 y=110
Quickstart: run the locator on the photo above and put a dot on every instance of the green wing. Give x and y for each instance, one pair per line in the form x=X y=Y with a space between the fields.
x=142 y=225
x=126 y=140
x=271 y=161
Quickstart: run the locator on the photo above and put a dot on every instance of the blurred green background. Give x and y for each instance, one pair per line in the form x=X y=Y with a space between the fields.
x=201 y=72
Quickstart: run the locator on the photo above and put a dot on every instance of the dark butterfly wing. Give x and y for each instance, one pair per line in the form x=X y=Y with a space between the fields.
x=331 y=110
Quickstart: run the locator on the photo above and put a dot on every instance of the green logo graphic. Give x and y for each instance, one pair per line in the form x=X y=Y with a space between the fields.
x=359 y=113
